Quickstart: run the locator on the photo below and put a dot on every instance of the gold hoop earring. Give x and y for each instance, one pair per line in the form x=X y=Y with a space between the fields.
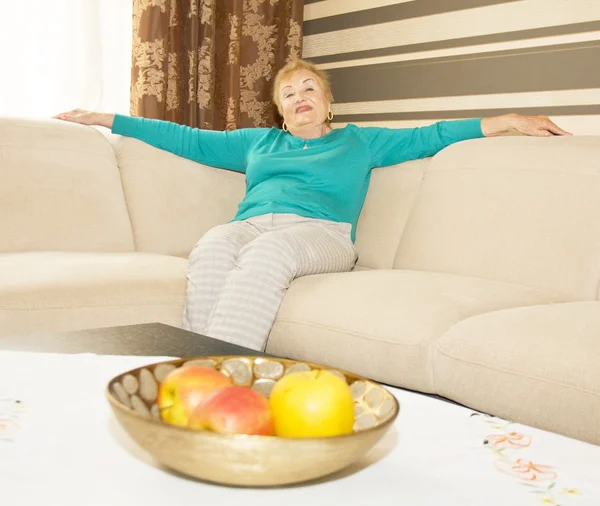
x=330 y=115
x=284 y=126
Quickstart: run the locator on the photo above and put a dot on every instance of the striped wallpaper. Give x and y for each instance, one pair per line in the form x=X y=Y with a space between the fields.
x=405 y=63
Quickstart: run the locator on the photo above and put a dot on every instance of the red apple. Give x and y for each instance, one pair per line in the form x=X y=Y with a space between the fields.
x=186 y=387
x=234 y=410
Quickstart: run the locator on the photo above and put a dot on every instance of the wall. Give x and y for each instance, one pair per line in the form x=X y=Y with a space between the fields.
x=404 y=63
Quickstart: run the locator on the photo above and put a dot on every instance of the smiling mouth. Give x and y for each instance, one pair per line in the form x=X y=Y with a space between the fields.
x=304 y=108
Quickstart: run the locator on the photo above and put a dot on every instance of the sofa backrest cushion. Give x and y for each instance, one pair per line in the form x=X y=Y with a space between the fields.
x=517 y=209
x=391 y=195
x=60 y=189
x=172 y=201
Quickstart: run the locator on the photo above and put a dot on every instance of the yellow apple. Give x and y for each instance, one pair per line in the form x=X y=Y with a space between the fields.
x=184 y=388
x=234 y=410
x=312 y=404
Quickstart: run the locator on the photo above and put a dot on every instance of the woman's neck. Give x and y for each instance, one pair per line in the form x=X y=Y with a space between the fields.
x=308 y=132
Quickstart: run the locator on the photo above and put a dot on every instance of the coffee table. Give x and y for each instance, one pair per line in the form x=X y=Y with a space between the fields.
x=149 y=339
x=67 y=447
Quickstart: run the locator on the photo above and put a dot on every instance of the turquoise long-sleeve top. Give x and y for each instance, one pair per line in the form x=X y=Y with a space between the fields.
x=325 y=178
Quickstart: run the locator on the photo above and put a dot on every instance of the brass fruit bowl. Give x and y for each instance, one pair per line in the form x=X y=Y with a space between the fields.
x=241 y=459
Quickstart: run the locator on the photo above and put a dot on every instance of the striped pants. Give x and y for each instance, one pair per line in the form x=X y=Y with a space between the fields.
x=239 y=272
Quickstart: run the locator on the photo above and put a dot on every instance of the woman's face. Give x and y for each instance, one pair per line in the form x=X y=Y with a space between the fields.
x=302 y=100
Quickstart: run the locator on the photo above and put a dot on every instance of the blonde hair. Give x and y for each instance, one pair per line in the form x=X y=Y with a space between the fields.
x=293 y=66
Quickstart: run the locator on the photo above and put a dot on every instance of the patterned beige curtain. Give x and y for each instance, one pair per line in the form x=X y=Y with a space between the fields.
x=211 y=63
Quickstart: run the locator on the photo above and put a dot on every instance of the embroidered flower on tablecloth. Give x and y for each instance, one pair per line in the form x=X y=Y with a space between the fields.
x=570 y=491
x=504 y=441
x=11 y=411
x=541 y=480
x=526 y=470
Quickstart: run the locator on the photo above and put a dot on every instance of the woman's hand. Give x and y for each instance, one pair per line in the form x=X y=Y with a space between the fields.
x=87 y=117
x=538 y=126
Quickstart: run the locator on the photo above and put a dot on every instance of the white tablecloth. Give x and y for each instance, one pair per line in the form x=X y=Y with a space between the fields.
x=61 y=445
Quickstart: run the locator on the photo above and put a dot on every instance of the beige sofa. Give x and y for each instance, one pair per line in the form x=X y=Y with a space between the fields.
x=478 y=276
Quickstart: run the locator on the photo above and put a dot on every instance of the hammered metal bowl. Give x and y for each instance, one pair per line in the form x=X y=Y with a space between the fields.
x=241 y=459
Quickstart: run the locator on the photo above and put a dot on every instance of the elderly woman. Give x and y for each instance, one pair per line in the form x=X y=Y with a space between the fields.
x=305 y=187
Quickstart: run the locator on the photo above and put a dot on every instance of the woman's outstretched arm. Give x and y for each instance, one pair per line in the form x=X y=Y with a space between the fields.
x=226 y=150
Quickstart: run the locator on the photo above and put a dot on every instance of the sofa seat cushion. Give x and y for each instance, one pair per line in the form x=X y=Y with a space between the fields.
x=381 y=323
x=535 y=365
x=49 y=291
